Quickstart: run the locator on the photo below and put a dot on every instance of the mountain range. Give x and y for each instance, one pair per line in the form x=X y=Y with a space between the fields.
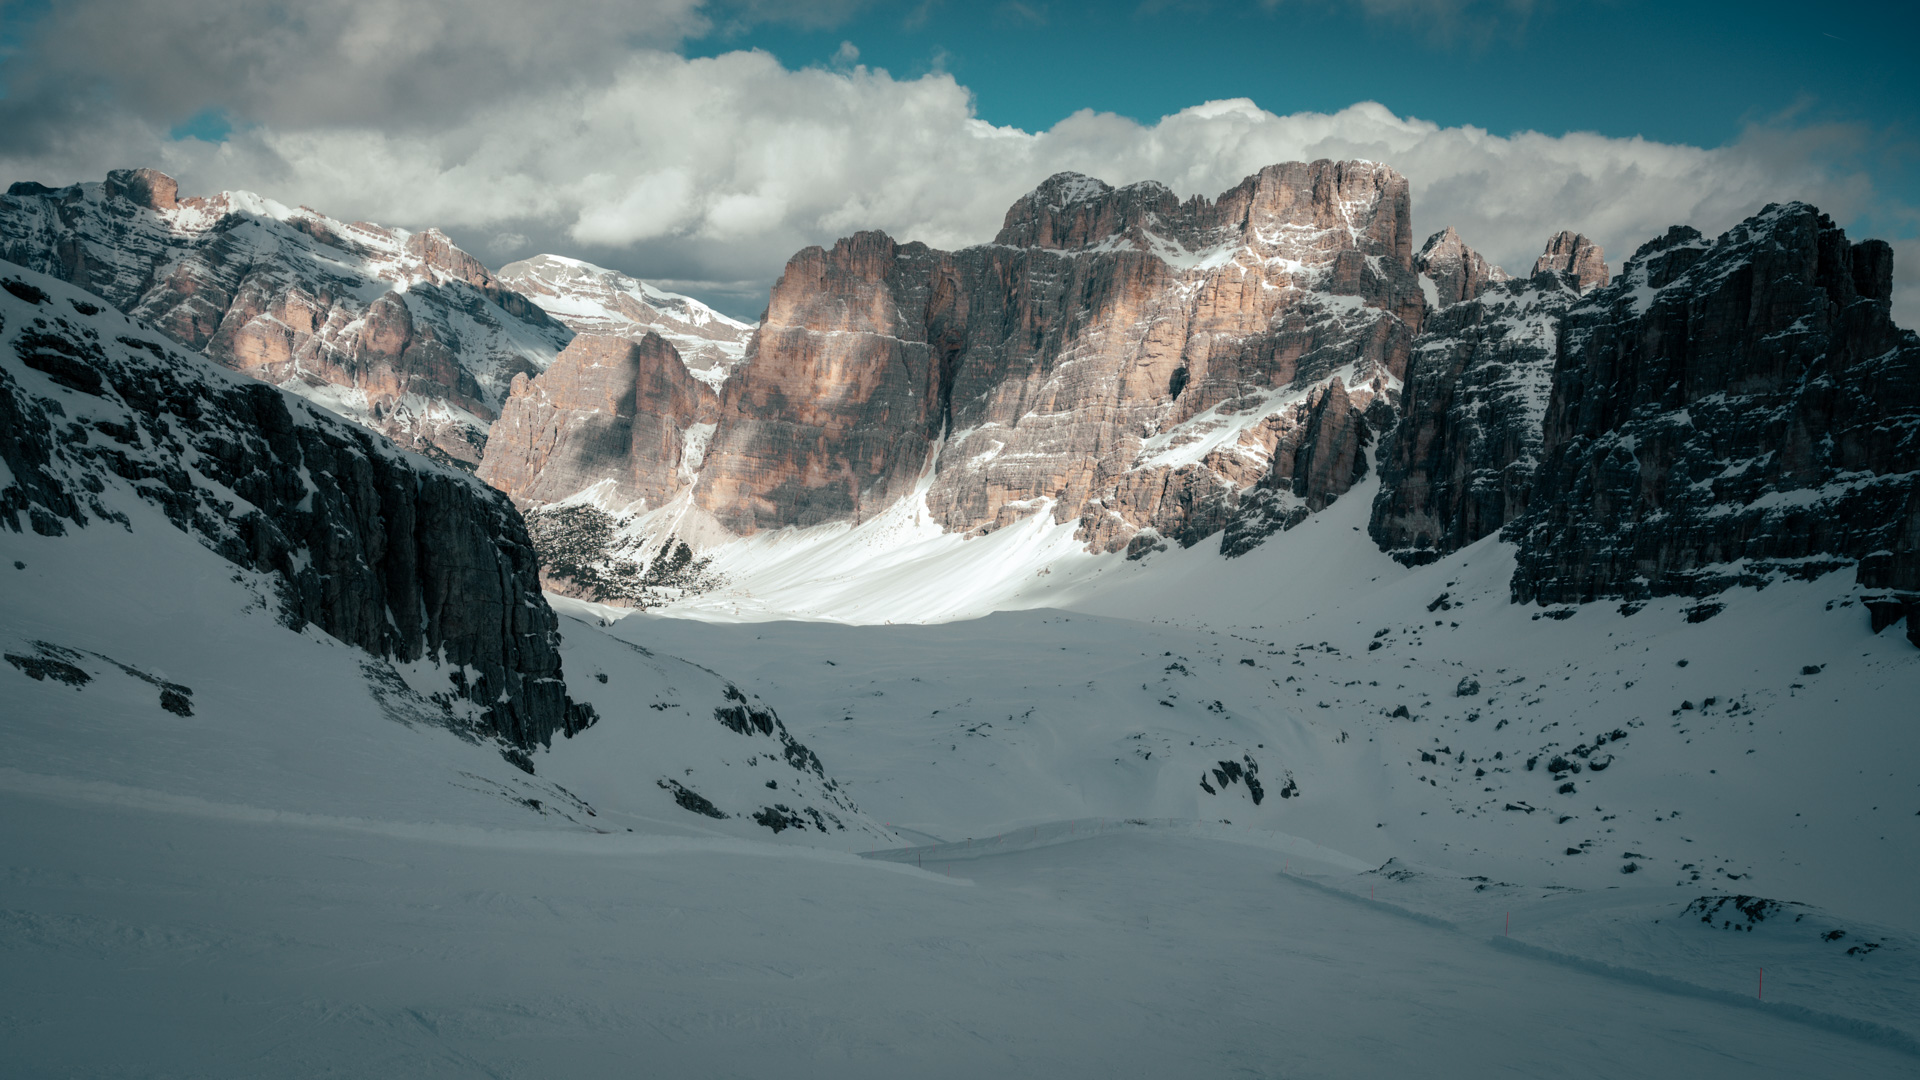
x=1538 y=625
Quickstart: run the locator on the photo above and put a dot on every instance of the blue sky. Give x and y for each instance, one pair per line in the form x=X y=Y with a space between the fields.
x=1696 y=73
x=1677 y=72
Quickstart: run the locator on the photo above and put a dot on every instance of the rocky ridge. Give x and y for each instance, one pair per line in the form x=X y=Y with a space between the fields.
x=1460 y=462
x=1457 y=271
x=1115 y=356
x=401 y=331
x=1577 y=257
x=589 y=299
x=620 y=416
x=104 y=420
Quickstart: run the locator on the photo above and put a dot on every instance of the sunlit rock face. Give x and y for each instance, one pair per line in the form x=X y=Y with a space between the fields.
x=1457 y=271
x=1115 y=356
x=402 y=331
x=609 y=409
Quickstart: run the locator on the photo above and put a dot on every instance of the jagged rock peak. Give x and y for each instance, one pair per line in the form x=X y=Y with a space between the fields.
x=610 y=408
x=1283 y=211
x=591 y=299
x=1573 y=254
x=1457 y=271
x=1667 y=257
x=150 y=188
x=1757 y=414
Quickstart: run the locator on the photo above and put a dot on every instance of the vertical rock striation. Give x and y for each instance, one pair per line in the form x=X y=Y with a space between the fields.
x=1577 y=257
x=1116 y=356
x=1726 y=411
x=1457 y=271
x=1460 y=463
x=609 y=410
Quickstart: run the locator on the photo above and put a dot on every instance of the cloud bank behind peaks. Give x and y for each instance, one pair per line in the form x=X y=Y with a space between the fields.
x=710 y=172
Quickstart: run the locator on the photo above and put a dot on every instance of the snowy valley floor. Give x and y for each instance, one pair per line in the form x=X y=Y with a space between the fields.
x=1067 y=874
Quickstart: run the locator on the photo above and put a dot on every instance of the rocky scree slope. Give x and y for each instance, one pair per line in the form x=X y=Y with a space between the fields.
x=401 y=331
x=381 y=549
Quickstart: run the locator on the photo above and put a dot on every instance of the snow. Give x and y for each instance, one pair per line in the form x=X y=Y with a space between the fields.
x=314 y=873
x=336 y=891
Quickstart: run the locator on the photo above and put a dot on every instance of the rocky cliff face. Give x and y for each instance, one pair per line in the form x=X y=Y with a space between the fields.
x=1460 y=463
x=1725 y=411
x=103 y=420
x=1116 y=356
x=610 y=411
x=589 y=299
x=401 y=331
x=1457 y=271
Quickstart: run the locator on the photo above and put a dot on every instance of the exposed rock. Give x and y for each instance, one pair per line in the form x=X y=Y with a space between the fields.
x=1577 y=257
x=408 y=560
x=590 y=299
x=1726 y=411
x=1115 y=356
x=609 y=410
x=1457 y=271
x=403 y=332
x=1320 y=455
x=1460 y=464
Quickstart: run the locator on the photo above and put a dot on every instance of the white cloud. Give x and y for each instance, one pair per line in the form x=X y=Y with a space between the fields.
x=718 y=169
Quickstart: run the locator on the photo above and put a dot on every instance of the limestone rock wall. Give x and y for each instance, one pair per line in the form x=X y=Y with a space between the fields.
x=608 y=409
x=1460 y=463
x=1457 y=271
x=1068 y=362
x=1728 y=410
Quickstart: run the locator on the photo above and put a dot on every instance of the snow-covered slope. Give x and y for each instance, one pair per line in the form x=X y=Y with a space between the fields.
x=1303 y=812
x=272 y=585
x=1595 y=772
x=591 y=299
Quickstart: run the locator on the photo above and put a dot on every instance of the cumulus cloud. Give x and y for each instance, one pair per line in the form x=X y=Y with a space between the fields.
x=713 y=171
x=307 y=62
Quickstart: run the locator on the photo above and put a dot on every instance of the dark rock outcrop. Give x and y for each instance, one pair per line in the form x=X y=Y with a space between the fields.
x=1460 y=464
x=1320 y=455
x=101 y=418
x=1725 y=412
x=400 y=331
